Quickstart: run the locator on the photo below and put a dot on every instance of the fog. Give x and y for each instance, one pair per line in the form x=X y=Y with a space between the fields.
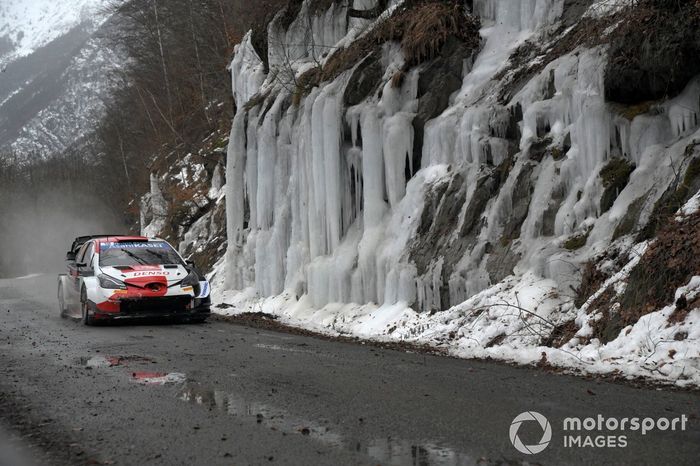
x=37 y=228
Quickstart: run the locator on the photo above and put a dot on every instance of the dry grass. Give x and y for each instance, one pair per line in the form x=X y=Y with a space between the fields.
x=421 y=27
x=591 y=282
x=561 y=334
x=653 y=51
x=669 y=263
x=495 y=341
x=608 y=326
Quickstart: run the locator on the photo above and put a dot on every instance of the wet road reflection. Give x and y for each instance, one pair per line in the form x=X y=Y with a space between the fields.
x=388 y=451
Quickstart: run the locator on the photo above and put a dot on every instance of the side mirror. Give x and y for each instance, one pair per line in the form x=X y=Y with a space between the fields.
x=190 y=263
x=70 y=256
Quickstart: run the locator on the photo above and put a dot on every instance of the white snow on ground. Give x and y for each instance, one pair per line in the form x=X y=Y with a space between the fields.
x=646 y=349
x=690 y=207
x=607 y=7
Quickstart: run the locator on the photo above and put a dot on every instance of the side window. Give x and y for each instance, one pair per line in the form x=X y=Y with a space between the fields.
x=89 y=254
x=86 y=254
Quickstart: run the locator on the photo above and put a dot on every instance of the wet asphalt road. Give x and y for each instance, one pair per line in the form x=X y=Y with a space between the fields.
x=238 y=395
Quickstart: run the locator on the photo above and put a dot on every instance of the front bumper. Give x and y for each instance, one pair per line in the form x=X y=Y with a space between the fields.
x=148 y=308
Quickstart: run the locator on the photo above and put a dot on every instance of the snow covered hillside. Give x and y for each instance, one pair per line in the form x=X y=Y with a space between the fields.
x=55 y=62
x=492 y=177
x=27 y=25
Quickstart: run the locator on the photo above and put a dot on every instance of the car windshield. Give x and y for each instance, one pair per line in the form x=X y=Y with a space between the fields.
x=138 y=253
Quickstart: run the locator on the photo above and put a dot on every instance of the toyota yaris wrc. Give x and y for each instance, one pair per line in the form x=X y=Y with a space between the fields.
x=126 y=277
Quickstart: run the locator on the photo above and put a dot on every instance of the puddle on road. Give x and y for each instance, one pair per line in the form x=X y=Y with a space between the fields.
x=285 y=348
x=388 y=451
x=111 y=361
x=158 y=378
x=141 y=377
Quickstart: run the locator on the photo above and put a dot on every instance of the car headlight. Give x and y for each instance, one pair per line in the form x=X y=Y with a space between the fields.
x=192 y=279
x=110 y=283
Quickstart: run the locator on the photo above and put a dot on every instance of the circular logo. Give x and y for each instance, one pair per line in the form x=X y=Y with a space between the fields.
x=546 y=432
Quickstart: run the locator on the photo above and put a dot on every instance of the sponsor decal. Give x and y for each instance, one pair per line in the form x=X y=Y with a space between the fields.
x=148 y=274
x=136 y=245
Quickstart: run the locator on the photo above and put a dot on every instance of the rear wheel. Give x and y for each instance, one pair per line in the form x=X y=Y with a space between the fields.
x=61 y=301
x=85 y=308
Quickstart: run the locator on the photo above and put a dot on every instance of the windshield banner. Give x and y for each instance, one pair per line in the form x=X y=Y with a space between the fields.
x=136 y=245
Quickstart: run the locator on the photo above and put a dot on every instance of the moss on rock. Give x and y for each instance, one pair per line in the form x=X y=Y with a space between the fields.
x=576 y=241
x=615 y=176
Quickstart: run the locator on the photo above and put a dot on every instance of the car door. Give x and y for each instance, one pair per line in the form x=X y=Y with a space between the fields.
x=76 y=272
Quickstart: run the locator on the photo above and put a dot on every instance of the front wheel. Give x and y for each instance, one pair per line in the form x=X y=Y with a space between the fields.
x=85 y=308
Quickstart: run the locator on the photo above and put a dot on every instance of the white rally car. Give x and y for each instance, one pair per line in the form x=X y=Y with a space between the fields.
x=125 y=277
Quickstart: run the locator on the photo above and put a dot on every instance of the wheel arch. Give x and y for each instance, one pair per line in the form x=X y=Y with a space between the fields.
x=92 y=288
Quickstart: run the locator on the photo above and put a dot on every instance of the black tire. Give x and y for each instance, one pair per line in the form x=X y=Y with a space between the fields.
x=62 y=302
x=85 y=309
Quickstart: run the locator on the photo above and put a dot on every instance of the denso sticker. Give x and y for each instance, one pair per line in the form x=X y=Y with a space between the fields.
x=149 y=274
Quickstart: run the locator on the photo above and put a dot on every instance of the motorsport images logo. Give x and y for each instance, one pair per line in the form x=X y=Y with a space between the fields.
x=590 y=432
x=546 y=432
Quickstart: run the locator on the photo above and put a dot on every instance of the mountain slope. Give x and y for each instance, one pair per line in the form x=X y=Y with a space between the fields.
x=27 y=26
x=53 y=83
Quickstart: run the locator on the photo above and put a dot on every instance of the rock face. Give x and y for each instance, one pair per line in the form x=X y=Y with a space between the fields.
x=438 y=80
x=654 y=54
x=364 y=80
x=430 y=184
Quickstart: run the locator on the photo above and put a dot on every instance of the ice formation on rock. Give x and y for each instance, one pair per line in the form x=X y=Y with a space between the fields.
x=326 y=200
x=154 y=210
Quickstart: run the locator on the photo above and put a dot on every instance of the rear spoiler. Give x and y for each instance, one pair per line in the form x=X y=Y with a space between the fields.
x=80 y=240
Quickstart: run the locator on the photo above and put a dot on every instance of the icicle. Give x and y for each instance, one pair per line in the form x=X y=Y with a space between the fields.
x=235 y=201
